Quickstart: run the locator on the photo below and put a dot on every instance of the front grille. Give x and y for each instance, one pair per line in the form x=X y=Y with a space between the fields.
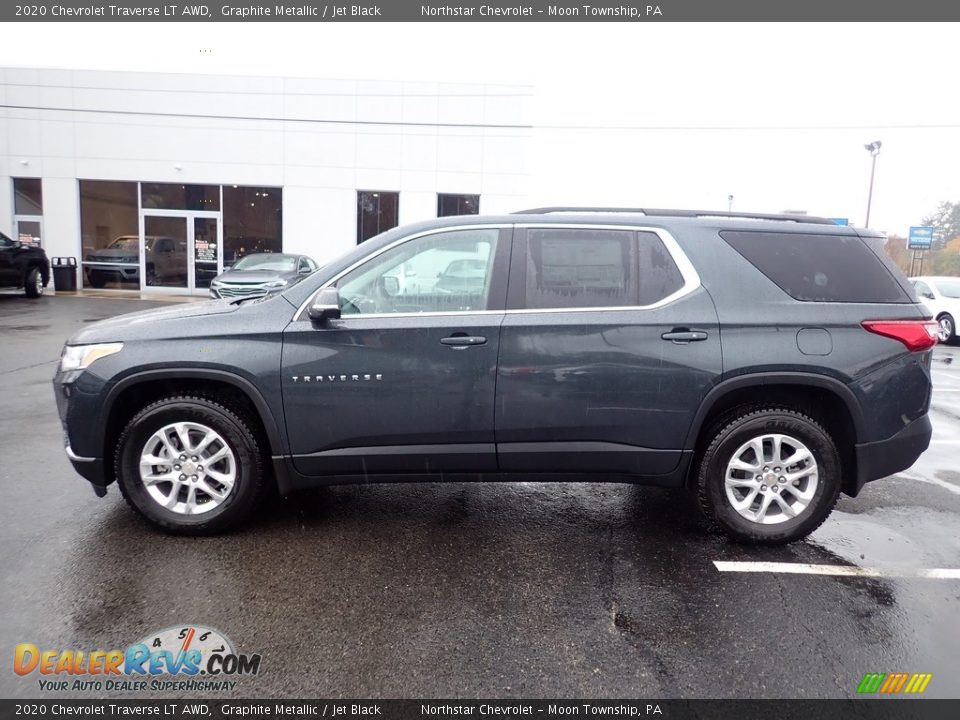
x=240 y=290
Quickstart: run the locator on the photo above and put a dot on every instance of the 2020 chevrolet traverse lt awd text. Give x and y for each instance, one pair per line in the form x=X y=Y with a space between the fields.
x=767 y=363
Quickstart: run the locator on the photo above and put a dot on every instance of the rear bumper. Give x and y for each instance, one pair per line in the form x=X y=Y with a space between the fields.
x=879 y=459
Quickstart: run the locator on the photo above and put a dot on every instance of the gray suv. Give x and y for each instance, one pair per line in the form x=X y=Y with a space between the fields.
x=766 y=363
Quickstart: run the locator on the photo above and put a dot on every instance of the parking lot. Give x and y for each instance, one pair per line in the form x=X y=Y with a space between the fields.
x=454 y=590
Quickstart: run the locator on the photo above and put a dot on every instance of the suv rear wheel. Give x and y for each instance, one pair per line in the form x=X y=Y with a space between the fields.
x=769 y=476
x=190 y=465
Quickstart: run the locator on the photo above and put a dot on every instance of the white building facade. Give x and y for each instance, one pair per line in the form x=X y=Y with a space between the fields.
x=156 y=182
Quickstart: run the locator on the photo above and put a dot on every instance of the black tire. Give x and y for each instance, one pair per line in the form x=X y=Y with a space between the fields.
x=97 y=279
x=231 y=424
x=33 y=283
x=947 y=319
x=727 y=436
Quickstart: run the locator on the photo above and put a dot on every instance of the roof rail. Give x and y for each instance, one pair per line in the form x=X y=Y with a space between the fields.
x=659 y=212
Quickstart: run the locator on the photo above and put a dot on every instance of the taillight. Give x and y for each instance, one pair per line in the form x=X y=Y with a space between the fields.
x=915 y=334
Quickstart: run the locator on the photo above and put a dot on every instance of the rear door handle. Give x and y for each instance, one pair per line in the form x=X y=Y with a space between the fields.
x=682 y=336
x=460 y=341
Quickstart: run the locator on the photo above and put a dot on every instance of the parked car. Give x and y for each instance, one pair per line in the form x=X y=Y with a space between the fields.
x=750 y=359
x=941 y=295
x=261 y=274
x=119 y=262
x=23 y=266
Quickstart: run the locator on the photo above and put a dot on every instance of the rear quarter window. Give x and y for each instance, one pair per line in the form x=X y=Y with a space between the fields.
x=820 y=268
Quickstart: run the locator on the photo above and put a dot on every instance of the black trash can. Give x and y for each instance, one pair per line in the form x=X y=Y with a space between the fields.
x=64 y=273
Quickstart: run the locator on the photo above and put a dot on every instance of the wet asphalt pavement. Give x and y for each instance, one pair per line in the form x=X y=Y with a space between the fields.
x=460 y=590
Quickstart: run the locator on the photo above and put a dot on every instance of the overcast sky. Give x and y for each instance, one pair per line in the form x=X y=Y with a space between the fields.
x=776 y=115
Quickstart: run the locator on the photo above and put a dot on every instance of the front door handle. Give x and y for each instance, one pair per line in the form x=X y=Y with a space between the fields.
x=682 y=336
x=460 y=341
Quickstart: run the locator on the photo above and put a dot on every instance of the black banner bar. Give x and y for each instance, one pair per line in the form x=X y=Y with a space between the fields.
x=519 y=11
x=179 y=709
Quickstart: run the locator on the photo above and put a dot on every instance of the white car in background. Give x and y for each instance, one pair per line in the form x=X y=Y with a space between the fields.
x=942 y=296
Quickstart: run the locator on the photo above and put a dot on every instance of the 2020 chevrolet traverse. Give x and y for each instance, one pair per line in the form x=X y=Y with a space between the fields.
x=767 y=363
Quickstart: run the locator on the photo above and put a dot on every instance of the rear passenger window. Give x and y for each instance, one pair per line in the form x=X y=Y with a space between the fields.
x=659 y=274
x=820 y=268
x=569 y=268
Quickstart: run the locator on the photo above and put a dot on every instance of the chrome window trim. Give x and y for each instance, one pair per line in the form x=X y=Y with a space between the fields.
x=691 y=278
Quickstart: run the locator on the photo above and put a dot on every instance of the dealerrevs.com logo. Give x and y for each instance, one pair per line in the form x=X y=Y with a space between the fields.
x=179 y=658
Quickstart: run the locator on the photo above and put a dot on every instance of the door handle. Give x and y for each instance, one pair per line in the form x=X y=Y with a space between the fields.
x=682 y=336
x=461 y=341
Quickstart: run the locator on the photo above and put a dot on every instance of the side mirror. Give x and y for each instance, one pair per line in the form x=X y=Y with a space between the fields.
x=929 y=296
x=326 y=305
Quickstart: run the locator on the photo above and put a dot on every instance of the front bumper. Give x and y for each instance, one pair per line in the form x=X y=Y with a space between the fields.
x=879 y=459
x=78 y=404
x=90 y=469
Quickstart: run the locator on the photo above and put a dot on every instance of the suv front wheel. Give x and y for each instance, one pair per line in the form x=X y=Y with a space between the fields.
x=190 y=465
x=33 y=283
x=769 y=476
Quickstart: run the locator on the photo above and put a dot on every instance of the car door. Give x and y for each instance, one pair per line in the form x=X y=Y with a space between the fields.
x=404 y=380
x=607 y=348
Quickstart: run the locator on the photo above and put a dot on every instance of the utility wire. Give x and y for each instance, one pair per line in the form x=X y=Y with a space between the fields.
x=495 y=126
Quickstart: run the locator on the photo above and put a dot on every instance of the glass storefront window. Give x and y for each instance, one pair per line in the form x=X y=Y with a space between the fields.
x=28 y=211
x=110 y=234
x=252 y=221
x=448 y=205
x=377 y=212
x=174 y=196
x=111 y=214
x=27 y=196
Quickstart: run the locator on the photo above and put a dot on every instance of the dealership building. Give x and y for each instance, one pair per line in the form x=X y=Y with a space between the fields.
x=157 y=182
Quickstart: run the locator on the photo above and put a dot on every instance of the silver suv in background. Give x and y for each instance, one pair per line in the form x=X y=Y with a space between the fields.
x=261 y=274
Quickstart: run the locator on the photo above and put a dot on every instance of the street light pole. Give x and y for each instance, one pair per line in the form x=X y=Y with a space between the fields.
x=874 y=150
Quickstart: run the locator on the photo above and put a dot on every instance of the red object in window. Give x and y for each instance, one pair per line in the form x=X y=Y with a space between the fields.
x=917 y=335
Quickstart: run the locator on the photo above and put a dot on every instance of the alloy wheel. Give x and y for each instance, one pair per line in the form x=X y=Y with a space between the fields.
x=771 y=478
x=946 y=329
x=188 y=468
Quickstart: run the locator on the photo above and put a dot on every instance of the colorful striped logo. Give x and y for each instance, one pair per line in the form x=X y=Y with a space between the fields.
x=894 y=683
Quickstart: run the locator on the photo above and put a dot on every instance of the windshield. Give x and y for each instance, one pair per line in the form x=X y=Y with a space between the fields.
x=949 y=288
x=125 y=242
x=267 y=261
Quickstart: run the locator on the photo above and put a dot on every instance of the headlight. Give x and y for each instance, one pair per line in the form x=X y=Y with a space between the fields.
x=215 y=283
x=80 y=357
x=276 y=284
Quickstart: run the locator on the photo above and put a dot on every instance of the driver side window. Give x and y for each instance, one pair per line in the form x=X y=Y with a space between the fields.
x=442 y=272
